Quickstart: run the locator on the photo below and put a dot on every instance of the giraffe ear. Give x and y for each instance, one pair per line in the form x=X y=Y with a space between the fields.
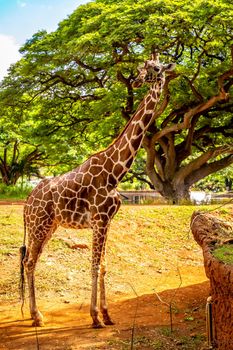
x=169 y=66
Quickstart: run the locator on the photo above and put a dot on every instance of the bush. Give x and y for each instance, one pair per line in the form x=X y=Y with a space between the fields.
x=14 y=192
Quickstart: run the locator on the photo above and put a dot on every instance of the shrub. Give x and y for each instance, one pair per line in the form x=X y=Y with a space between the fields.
x=14 y=192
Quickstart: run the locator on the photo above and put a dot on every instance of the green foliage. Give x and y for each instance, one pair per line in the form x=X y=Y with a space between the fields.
x=14 y=191
x=217 y=182
x=71 y=93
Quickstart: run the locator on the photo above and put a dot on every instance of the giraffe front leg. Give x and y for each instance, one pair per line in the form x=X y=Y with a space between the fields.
x=94 y=309
x=99 y=237
x=103 y=302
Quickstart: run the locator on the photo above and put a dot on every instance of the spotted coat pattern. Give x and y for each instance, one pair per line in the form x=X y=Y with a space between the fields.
x=86 y=197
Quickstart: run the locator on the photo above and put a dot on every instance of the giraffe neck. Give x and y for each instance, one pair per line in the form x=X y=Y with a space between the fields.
x=123 y=151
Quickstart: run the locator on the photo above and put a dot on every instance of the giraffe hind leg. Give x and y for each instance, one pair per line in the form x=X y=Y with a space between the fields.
x=34 y=250
x=30 y=265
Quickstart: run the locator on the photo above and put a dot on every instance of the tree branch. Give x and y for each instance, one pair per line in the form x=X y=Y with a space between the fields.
x=199 y=162
x=209 y=168
x=200 y=108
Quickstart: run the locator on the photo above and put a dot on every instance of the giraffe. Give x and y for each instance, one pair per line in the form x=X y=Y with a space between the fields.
x=86 y=197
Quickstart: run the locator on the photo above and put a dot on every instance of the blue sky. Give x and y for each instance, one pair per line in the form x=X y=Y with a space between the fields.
x=20 y=19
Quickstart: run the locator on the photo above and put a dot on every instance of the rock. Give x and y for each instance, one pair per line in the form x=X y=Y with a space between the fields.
x=211 y=232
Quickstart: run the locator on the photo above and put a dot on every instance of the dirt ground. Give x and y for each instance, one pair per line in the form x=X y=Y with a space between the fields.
x=163 y=310
x=147 y=317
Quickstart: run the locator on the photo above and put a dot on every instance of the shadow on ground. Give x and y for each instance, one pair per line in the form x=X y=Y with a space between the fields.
x=68 y=325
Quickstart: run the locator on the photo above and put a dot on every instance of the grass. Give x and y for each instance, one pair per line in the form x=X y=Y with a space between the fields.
x=224 y=253
x=139 y=343
x=141 y=239
x=159 y=339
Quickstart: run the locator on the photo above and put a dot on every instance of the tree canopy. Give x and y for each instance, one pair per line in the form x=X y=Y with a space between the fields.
x=71 y=93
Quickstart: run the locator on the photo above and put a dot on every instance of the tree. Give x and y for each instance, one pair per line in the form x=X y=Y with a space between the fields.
x=80 y=77
x=15 y=164
x=19 y=154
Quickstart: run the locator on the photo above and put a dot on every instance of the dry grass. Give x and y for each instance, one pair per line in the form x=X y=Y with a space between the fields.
x=143 y=241
x=150 y=249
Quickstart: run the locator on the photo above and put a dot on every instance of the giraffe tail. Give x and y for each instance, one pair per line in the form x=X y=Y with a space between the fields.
x=22 y=252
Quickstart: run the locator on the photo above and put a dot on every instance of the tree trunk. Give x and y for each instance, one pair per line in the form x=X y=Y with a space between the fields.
x=8 y=177
x=4 y=171
x=175 y=195
x=210 y=233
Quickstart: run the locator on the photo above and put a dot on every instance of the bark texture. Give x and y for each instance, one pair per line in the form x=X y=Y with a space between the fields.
x=210 y=232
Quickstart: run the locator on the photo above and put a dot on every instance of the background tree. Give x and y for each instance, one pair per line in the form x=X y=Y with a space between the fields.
x=217 y=182
x=76 y=83
x=16 y=162
x=19 y=153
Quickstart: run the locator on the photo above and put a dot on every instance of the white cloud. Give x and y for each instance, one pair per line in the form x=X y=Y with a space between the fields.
x=8 y=53
x=21 y=3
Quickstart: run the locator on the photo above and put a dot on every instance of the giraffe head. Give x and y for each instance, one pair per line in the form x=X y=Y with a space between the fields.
x=152 y=71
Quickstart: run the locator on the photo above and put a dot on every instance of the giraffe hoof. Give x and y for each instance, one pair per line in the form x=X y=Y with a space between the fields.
x=37 y=323
x=108 y=322
x=98 y=325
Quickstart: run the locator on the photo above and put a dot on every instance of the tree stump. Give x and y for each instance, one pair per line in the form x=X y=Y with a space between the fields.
x=211 y=233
